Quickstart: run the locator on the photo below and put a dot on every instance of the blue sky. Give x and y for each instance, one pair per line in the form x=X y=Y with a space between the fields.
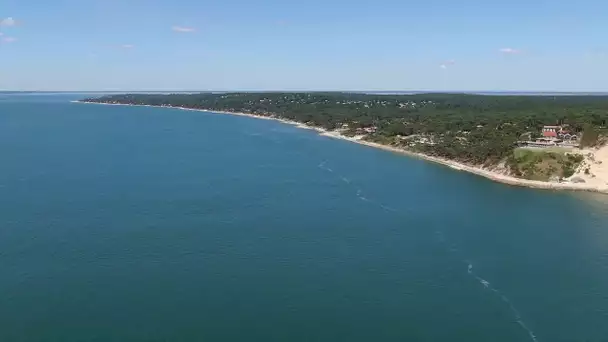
x=532 y=45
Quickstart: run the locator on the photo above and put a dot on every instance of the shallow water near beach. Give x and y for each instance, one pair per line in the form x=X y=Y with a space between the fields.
x=152 y=224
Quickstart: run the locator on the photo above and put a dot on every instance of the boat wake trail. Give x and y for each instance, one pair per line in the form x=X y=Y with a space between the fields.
x=359 y=192
x=488 y=286
x=361 y=197
x=387 y=208
x=323 y=167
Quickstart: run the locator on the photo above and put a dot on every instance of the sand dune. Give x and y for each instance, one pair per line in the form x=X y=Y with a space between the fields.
x=596 y=161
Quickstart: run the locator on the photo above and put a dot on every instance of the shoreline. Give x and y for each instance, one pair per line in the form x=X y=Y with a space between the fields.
x=491 y=175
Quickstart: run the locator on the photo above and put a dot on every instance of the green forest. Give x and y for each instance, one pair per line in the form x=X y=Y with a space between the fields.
x=474 y=129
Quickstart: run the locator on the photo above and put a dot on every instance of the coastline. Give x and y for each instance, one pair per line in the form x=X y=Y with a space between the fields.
x=494 y=176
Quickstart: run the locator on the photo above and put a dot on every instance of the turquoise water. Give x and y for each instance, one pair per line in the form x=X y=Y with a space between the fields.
x=148 y=224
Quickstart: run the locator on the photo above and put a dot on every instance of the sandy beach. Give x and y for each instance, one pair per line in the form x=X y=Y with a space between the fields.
x=595 y=182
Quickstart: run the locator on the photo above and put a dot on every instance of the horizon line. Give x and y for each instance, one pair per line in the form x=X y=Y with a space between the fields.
x=315 y=91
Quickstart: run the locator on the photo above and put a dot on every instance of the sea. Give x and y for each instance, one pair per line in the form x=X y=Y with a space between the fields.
x=146 y=224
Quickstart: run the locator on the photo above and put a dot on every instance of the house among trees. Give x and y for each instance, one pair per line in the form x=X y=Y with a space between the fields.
x=558 y=132
x=551 y=131
x=553 y=136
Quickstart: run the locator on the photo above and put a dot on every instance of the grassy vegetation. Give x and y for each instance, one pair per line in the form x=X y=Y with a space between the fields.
x=544 y=164
x=522 y=151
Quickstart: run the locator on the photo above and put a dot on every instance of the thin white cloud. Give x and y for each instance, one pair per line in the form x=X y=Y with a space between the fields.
x=9 y=39
x=127 y=46
x=183 y=29
x=8 y=22
x=510 y=51
x=447 y=63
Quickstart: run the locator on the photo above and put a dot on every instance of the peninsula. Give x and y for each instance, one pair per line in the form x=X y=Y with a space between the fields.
x=552 y=142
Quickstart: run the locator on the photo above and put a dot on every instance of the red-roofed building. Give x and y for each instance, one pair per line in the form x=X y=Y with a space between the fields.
x=551 y=131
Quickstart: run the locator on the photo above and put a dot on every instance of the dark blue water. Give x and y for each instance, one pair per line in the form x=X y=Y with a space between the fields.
x=147 y=224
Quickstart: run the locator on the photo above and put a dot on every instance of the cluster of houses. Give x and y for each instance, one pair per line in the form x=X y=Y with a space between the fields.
x=553 y=136
x=364 y=130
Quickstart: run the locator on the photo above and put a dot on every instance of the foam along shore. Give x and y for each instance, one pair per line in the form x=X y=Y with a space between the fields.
x=599 y=185
x=263 y=117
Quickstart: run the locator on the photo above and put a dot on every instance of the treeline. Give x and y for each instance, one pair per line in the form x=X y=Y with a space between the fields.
x=476 y=129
